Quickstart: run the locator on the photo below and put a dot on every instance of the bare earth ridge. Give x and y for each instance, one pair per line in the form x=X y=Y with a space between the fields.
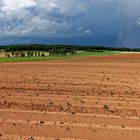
x=90 y=98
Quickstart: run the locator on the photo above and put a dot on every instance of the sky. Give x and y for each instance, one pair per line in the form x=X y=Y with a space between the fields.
x=84 y=22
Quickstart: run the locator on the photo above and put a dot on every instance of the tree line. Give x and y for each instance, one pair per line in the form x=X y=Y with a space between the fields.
x=34 y=52
x=42 y=47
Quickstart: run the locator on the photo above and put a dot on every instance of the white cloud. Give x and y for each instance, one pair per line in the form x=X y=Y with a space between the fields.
x=87 y=31
x=138 y=20
x=14 y=5
x=39 y=17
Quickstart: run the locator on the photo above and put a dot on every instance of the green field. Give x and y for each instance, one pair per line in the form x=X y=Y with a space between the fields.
x=78 y=54
x=97 y=53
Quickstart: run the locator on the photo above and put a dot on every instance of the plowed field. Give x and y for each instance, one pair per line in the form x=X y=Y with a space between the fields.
x=91 y=98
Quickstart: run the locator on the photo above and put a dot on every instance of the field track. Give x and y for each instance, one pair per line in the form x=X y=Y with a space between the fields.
x=89 y=98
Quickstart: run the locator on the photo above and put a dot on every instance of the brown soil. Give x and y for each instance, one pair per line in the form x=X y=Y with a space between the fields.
x=91 y=98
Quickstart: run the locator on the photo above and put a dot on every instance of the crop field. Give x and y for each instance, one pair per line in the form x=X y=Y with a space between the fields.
x=85 y=98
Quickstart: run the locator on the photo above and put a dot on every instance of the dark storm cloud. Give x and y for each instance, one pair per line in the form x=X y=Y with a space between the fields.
x=113 y=22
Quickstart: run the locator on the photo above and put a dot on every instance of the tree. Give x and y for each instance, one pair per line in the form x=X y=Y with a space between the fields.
x=22 y=54
x=28 y=53
x=35 y=53
x=13 y=53
x=38 y=53
x=73 y=51
x=42 y=54
x=17 y=54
